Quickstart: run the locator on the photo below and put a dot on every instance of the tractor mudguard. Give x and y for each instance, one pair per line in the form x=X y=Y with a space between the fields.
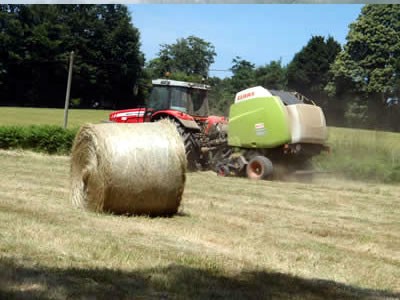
x=185 y=120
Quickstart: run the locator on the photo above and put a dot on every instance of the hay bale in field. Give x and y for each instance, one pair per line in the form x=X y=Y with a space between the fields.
x=128 y=168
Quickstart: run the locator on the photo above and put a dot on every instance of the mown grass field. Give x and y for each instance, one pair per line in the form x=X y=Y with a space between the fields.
x=233 y=239
x=25 y=116
x=333 y=238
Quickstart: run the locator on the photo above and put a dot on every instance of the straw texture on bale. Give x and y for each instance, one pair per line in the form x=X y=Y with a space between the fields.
x=128 y=168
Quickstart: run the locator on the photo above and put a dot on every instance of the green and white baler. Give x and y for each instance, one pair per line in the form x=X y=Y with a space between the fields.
x=269 y=132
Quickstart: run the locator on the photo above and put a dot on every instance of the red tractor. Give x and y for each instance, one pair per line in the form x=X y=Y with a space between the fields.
x=184 y=103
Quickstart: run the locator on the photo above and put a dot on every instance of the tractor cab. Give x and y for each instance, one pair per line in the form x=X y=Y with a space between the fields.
x=185 y=102
x=186 y=97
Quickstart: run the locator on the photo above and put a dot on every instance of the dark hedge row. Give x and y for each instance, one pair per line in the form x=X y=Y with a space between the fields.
x=40 y=138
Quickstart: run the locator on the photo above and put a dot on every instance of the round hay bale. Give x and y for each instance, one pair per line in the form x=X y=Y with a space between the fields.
x=128 y=168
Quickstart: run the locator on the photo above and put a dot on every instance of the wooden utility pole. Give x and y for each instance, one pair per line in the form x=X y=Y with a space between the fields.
x=71 y=62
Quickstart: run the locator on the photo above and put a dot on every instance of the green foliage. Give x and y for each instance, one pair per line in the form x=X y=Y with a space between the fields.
x=191 y=56
x=308 y=71
x=221 y=96
x=356 y=114
x=35 y=42
x=75 y=102
x=272 y=76
x=369 y=65
x=11 y=137
x=44 y=138
x=243 y=74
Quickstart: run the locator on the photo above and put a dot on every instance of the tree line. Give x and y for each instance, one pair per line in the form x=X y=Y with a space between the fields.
x=357 y=85
x=35 y=42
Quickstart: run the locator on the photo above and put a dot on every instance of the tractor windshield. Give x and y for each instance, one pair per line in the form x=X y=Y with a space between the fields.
x=188 y=100
x=200 y=102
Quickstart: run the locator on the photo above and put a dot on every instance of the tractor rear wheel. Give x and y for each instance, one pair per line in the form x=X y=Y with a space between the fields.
x=191 y=147
x=259 y=167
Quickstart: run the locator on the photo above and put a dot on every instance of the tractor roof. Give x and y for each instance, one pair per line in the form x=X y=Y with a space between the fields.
x=192 y=85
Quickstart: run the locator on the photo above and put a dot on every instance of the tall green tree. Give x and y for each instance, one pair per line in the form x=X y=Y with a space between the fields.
x=35 y=42
x=223 y=90
x=272 y=75
x=243 y=74
x=308 y=71
x=29 y=41
x=369 y=66
x=11 y=30
x=221 y=95
x=109 y=62
x=191 y=56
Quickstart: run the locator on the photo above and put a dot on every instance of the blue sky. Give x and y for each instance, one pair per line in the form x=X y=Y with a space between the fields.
x=255 y=32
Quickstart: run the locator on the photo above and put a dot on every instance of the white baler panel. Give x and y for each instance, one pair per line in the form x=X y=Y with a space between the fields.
x=307 y=124
x=295 y=125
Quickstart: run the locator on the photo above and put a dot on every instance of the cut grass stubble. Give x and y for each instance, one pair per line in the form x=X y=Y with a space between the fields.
x=233 y=238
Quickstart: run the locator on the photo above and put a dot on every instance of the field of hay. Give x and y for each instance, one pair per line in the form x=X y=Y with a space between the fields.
x=233 y=239
x=333 y=238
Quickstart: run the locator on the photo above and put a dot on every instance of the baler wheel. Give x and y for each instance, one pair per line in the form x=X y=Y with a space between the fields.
x=259 y=167
x=223 y=171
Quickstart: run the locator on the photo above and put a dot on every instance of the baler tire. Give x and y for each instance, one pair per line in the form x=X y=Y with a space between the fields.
x=259 y=167
x=223 y=171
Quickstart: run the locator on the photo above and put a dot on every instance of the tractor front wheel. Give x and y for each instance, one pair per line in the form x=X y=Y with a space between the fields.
x=259 y=167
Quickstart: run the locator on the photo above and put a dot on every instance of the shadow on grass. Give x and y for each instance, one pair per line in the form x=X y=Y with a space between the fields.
x=172 y=282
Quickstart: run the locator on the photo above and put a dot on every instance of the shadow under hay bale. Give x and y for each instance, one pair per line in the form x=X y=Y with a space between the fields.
x=128 y=168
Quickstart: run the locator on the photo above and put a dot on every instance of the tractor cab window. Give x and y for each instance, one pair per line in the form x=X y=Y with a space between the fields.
x=184 y=99
x=200 y=102
x=170 y=97
x=180 y=99
x=159 y=98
